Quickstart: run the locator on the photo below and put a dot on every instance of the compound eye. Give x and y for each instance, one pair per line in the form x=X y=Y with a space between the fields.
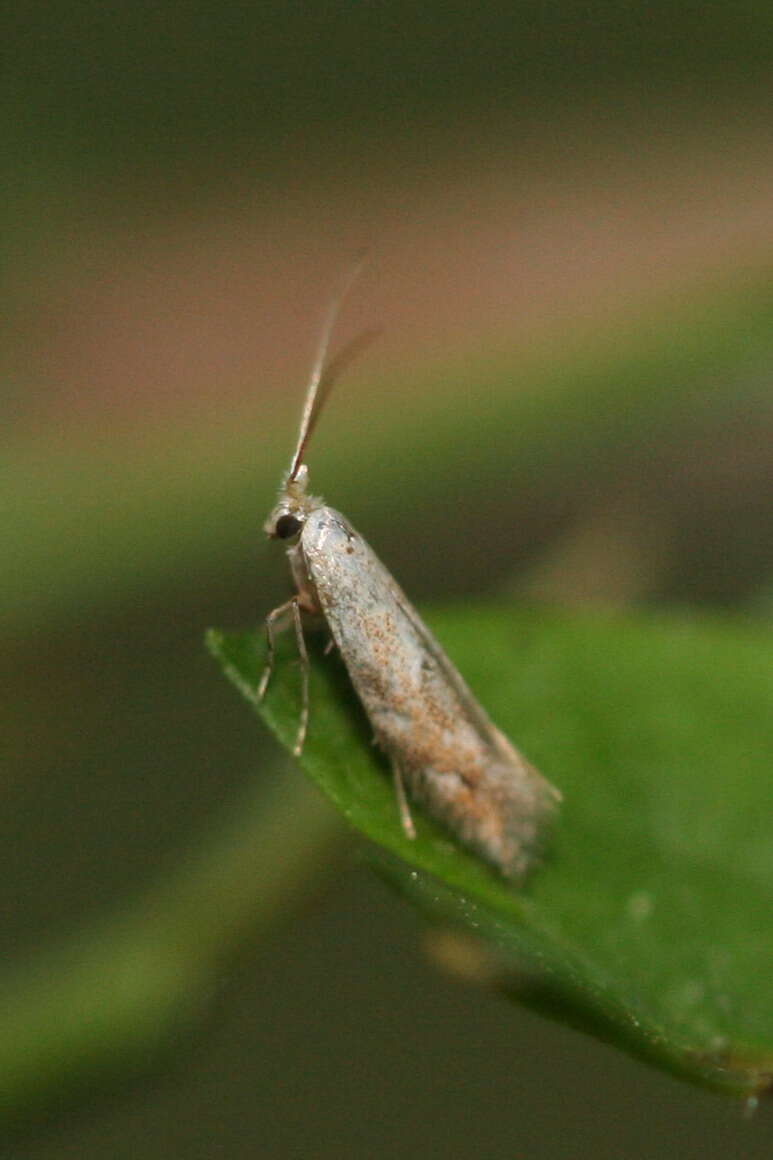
x=287 y=526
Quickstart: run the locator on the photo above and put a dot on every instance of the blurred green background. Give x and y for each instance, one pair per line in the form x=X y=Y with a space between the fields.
x=569 y=211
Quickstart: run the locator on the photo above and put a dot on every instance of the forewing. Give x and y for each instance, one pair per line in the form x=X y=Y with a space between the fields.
x=389 y=651
x=455 y=761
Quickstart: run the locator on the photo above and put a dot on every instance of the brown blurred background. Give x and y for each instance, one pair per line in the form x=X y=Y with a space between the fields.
x=569 y=215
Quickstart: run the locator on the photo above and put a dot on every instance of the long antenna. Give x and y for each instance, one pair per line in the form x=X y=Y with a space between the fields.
x=319 y=377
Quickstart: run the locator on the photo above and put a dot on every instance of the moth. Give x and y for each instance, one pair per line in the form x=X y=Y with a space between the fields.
x=444 y=751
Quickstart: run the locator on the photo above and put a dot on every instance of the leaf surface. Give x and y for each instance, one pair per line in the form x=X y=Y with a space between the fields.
x=650 y=922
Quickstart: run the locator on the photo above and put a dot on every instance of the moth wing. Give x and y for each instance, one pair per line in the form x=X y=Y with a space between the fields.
x=375 y=625
x=451 y=674
x=423 y=713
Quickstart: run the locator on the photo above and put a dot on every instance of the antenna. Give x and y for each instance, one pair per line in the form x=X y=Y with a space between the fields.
x=321 y=379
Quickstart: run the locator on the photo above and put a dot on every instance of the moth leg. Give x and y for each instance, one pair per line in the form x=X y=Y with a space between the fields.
x=300 y=736
x=293 y=606
x=402 y=802
x=329 y=647
x=271 y=619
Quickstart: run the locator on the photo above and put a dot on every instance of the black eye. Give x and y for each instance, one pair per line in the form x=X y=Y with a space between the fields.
x=287 y=526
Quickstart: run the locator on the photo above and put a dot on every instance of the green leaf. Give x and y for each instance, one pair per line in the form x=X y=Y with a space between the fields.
x=650 y=922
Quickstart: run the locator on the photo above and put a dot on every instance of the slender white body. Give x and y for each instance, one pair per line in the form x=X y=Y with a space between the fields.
x=449 y=754
x=441 y=744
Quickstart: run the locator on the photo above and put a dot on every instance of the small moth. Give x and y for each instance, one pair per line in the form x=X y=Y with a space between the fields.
x=439 y=741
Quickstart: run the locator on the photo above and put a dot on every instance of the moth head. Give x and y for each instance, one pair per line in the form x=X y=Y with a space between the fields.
x=288 y=516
